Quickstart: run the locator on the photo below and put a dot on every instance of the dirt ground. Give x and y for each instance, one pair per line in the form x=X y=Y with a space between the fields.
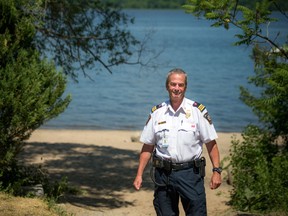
x=103 y=164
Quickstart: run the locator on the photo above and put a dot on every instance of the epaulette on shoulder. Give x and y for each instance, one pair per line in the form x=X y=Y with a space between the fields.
x=156 y=107
x=200 y=106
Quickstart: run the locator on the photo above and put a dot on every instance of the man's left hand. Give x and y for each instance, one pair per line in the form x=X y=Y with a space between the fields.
x=215 y=180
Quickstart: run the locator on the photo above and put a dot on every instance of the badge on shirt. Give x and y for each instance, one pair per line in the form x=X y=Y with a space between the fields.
x=187 y=113
x=207 y=116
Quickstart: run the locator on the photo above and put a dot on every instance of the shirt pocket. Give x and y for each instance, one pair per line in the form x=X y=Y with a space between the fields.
x=188 y=133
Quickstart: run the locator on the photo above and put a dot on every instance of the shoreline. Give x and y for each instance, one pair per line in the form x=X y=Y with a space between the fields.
x=95 y=128
x=105 y=129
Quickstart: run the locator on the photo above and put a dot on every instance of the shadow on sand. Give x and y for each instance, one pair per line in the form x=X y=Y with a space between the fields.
x=104 y=173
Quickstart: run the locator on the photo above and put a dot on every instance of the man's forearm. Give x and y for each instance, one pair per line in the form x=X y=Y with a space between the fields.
x=143 y=161
x=213 y=153
x=145 y=156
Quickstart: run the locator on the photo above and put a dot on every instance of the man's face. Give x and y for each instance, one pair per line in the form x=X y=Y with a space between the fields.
x=176 y=87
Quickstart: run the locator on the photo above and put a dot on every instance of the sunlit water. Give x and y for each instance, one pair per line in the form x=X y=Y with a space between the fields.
x=215 y=70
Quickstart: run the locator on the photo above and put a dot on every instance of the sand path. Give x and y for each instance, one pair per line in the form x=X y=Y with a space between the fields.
x=103 y=165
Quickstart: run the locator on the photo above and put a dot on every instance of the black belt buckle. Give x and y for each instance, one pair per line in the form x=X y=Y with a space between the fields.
x=182 y=166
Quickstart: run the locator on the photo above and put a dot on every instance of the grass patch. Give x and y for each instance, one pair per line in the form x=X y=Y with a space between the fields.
x=19 y=206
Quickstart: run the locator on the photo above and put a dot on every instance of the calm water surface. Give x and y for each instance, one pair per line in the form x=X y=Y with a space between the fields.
x=215 y=70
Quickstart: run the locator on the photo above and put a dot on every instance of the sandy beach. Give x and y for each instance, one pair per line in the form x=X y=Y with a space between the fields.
x=103 y=165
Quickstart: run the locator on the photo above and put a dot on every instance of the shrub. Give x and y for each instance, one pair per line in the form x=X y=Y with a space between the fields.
x=31 y=93
x=260 y=176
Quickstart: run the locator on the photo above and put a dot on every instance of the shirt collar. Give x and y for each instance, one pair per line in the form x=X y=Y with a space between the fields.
x=183 y=107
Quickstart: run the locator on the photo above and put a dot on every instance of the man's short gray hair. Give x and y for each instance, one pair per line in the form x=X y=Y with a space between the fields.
x=176 y=71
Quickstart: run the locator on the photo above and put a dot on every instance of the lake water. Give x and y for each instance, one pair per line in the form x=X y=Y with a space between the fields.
x=214 y=66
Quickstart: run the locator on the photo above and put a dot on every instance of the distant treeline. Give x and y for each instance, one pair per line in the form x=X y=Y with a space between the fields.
x=176 y=4
x=147 y=4
x=280 y=4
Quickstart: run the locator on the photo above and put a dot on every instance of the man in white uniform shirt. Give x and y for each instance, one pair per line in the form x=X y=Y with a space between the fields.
x=174 y=134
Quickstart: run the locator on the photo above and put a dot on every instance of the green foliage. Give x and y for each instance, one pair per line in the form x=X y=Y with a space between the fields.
x=30 y=88
x=31 y=93
x=226 y=13
x=260 y=161
x=271 y=76
x=14 y=177
x=56 y=190
x=259 y=173
x=16 y=31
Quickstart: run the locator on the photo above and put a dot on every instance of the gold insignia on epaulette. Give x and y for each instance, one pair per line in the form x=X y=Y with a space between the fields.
x=201 y=107
x=154 y=108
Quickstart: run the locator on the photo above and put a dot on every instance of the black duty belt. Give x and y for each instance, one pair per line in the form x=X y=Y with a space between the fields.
x=169 y=165
x=180 y=166
x=198 y=166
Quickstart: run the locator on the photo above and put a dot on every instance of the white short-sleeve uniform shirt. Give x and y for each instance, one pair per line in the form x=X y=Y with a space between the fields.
x=179 y=136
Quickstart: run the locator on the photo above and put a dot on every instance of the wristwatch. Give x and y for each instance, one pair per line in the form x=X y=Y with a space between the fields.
x=217 y=169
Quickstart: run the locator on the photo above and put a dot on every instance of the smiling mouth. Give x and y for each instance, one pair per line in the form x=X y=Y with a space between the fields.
x=176 y=93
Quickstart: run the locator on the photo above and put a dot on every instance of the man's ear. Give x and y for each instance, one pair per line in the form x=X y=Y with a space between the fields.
x=167 y=87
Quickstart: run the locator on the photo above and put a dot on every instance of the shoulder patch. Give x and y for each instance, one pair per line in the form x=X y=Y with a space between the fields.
x=201 y=107
x=156 y=107
x=207 y=116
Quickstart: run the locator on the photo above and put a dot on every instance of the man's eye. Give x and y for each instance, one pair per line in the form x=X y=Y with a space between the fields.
x=181 y=85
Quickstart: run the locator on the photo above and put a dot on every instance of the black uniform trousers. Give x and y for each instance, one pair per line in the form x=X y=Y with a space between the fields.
x=185 y=184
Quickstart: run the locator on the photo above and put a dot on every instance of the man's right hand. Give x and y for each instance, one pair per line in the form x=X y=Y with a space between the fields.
x=137 y=182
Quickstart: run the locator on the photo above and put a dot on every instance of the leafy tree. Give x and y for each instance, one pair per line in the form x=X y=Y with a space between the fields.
x=31 y=87
x=260 y=161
